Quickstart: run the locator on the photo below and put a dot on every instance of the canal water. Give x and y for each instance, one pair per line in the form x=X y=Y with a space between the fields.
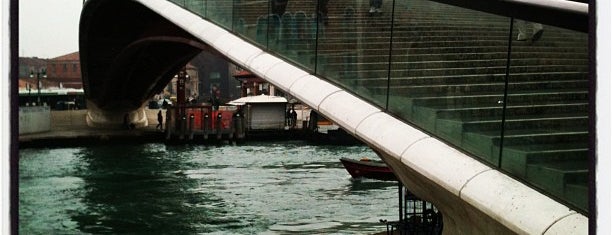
x=286 y=187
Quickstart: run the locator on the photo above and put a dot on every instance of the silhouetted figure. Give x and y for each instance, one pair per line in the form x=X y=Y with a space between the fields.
x=314 y=120
x=278 y=7
x=288 y=117
x=215 y=98
x=375 y=6
x=239 y=112
x=160 y=121
x=126 y=122
x=165 y=104
x=322 y=11
x=293 y=117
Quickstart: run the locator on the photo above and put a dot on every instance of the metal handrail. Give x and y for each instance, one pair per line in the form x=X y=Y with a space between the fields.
x=561 y=13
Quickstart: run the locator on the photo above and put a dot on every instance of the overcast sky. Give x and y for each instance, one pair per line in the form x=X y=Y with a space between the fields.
x=48 y=28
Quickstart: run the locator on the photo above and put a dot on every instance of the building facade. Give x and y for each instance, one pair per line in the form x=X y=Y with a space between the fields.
x=30 y=66
x=65 y=71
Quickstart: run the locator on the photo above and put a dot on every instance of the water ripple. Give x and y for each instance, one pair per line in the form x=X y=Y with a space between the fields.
x=256 y=188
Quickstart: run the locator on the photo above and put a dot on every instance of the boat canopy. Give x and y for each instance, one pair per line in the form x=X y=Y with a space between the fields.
x=258 y=99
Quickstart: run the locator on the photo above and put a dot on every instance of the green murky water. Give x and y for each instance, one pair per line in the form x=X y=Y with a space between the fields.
x=253 y=188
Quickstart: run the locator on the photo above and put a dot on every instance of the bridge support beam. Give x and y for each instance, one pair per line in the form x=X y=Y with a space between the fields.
x=99 y=118
x=458 y=216
x=477 y=199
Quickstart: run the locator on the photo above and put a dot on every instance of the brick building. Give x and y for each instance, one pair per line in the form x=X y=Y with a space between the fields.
x=60 y=81
x=64 y=71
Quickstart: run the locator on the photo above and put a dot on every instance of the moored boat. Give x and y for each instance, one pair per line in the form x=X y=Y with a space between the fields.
x=366 y=168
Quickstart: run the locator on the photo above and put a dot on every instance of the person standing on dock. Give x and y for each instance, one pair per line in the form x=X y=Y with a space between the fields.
x=293 y=117
x=160 y=121
x=288 y=117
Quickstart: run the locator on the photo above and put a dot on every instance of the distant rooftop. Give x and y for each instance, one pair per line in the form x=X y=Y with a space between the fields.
x=71 y=56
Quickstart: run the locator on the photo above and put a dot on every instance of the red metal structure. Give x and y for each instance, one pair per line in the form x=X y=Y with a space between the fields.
x=205 y=121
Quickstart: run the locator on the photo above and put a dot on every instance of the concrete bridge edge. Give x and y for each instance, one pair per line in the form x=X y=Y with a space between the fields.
x=474 y=198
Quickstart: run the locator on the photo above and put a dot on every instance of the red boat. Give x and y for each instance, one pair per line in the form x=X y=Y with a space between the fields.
x=366 y=168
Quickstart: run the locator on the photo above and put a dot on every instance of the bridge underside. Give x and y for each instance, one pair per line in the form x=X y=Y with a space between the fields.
x=128 y=54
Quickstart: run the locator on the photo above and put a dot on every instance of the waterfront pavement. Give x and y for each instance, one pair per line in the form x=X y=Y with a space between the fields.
x=70 y=127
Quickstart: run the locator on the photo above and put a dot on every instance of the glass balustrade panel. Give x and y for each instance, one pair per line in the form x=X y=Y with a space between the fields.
x=178 y=2
x=250 y=20
x=546 y=127
x=448 y=72
x=196 y=6
x=353 y=45
x=291 y=30
x=220 y=12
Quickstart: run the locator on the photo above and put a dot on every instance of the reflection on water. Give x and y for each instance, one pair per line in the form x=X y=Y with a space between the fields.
x=367 y=185
x=271 y=188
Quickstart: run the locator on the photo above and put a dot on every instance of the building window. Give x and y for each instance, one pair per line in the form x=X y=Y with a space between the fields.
x=65 y=68
x=215 y=75
x=74 y=68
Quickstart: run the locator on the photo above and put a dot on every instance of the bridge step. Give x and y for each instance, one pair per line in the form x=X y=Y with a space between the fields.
x=563 y=179
x=433 y=62
x=486 y=143
x=517 y=158
x=577 y=194
x=559 y=108
x=478 y=88
x=492 y=98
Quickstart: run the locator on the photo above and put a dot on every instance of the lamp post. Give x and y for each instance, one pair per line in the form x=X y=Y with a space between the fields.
x=180 y=93
x=39 y=73
x=181 y=78
x=29 y=89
